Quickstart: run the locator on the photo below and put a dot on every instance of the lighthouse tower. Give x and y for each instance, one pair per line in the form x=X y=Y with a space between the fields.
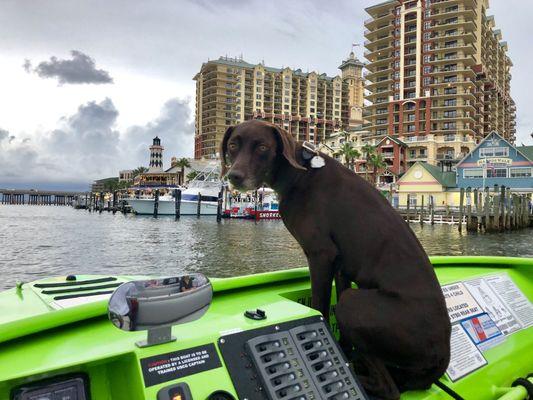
x=156 y=156
x=352 y=73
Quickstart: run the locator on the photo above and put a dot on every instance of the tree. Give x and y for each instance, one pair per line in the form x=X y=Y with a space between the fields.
x=191 y=175
x=349 y=153
x=139 y=170
x=378 y=163
x=111 y=185
x=368 y=150
x=183 y=163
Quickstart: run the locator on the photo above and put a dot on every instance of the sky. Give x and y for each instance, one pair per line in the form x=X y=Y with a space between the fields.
x=86 y=85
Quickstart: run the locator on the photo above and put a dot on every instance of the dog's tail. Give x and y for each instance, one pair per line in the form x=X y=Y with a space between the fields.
x=448 y=390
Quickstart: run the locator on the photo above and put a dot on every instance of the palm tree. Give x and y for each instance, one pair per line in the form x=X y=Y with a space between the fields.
x=139 y=170
x=378 y=163
x=368 y=150
x=191 y=175
x=349 y=153
x=183 y=163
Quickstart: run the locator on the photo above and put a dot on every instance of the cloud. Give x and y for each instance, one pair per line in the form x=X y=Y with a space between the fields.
x=3 y=135
x=87 y=145
x=78 y=70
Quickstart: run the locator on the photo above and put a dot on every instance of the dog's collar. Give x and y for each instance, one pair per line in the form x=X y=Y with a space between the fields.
x=310 y=152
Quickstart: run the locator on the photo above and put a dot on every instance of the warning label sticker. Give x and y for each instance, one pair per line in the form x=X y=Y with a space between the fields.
x=513 y=298
x=171 y=366
x=483 y=331
x=465 y=356
x=492 y=304
x=459 y=302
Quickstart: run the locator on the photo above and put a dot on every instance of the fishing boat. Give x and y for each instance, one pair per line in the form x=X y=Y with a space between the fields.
x=262 y=204
x=203 y=191
x=250 y=337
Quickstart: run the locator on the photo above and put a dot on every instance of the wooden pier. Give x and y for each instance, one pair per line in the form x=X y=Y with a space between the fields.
x=495 y=210
x=38 y=197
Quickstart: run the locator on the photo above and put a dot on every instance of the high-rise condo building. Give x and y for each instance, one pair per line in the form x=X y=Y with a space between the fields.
x=309 y=105
x=438 y=77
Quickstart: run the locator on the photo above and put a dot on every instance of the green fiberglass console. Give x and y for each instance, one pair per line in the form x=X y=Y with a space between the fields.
x=56 y=340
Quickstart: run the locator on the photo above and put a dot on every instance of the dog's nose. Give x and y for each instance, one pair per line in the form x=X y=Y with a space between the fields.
x=236 y=177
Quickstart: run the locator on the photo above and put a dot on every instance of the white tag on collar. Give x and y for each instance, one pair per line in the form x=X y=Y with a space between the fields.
x=317 y=162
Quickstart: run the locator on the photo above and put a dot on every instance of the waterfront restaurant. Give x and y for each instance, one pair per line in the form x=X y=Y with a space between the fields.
x=497 y=162
x=424 y=181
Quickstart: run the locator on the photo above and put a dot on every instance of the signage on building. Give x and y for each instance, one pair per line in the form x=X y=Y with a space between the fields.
x=495 y=161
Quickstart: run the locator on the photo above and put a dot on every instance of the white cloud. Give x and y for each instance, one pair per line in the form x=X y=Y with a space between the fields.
x=86 y=145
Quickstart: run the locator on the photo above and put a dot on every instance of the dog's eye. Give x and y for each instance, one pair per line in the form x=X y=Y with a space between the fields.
x=232 y=146
x=262 y=147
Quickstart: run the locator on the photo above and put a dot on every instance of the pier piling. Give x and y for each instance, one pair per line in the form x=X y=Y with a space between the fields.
x=156 y=203
x=199 y=206
x=177 y=203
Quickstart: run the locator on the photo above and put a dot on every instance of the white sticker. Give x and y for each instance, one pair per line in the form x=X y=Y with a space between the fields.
x=459 y=302
x=483 y=331
x=465 y=356
x=513 y=298
x=492 y=304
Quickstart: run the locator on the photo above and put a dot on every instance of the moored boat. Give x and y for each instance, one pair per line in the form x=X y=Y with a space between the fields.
x=203 y=191
x=56 y=339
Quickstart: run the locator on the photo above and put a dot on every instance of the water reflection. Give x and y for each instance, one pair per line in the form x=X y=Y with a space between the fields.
x=44 y=241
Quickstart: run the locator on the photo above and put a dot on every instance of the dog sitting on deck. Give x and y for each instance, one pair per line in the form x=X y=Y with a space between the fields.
x=397 y=318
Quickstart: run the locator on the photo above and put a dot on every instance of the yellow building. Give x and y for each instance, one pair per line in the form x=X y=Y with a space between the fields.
x=424 y=180
x=311 y=106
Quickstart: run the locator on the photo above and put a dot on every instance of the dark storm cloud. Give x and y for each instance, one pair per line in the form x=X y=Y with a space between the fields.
x=3 y=134
x=86 y=145
x=78 y=70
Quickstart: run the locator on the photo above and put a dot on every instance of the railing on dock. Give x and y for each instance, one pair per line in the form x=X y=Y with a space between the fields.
x=479 y=210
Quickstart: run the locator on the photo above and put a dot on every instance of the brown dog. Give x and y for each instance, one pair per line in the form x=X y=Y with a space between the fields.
x=397 y=318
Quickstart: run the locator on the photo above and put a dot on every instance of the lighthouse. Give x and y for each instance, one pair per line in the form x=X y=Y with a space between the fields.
x=156 y=156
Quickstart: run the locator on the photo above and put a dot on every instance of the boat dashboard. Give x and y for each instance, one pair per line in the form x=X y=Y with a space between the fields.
x=249 y=338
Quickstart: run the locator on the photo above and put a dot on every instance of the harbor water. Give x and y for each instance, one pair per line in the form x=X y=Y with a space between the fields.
x=43 y=241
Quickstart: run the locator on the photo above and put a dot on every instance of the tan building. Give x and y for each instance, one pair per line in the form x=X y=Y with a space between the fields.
x=438 y=77
x=309 y=105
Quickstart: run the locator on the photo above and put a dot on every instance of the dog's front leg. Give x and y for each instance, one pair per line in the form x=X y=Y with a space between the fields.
x=322 y=271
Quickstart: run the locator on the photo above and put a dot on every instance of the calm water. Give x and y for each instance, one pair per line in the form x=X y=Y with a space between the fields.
x=37 y=241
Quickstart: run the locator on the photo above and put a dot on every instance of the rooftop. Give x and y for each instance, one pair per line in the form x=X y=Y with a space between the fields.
x=239 y=62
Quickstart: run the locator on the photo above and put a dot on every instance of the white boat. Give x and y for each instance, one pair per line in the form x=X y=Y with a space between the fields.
x=207 y=185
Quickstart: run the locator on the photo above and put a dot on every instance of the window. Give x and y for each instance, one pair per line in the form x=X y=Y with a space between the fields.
x=520 y=172
x=258 y=96
x=497 y=173
x=286 y=107
x=287 y=92
x=427 y=47
x=427 y=58
x=452 y=90
x=447 y=126
x=258 y=103
x=427 y=69
x=493 y=152
x=473 y=173
x=312 y=110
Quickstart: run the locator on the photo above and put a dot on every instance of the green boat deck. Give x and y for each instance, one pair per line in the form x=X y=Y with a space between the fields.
x=38 y=340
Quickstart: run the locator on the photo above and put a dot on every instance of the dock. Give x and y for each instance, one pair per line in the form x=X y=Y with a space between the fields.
x=38 y=197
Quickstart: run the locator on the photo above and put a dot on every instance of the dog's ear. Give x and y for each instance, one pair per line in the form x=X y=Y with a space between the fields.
x=288 y=146
x=224 y=150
